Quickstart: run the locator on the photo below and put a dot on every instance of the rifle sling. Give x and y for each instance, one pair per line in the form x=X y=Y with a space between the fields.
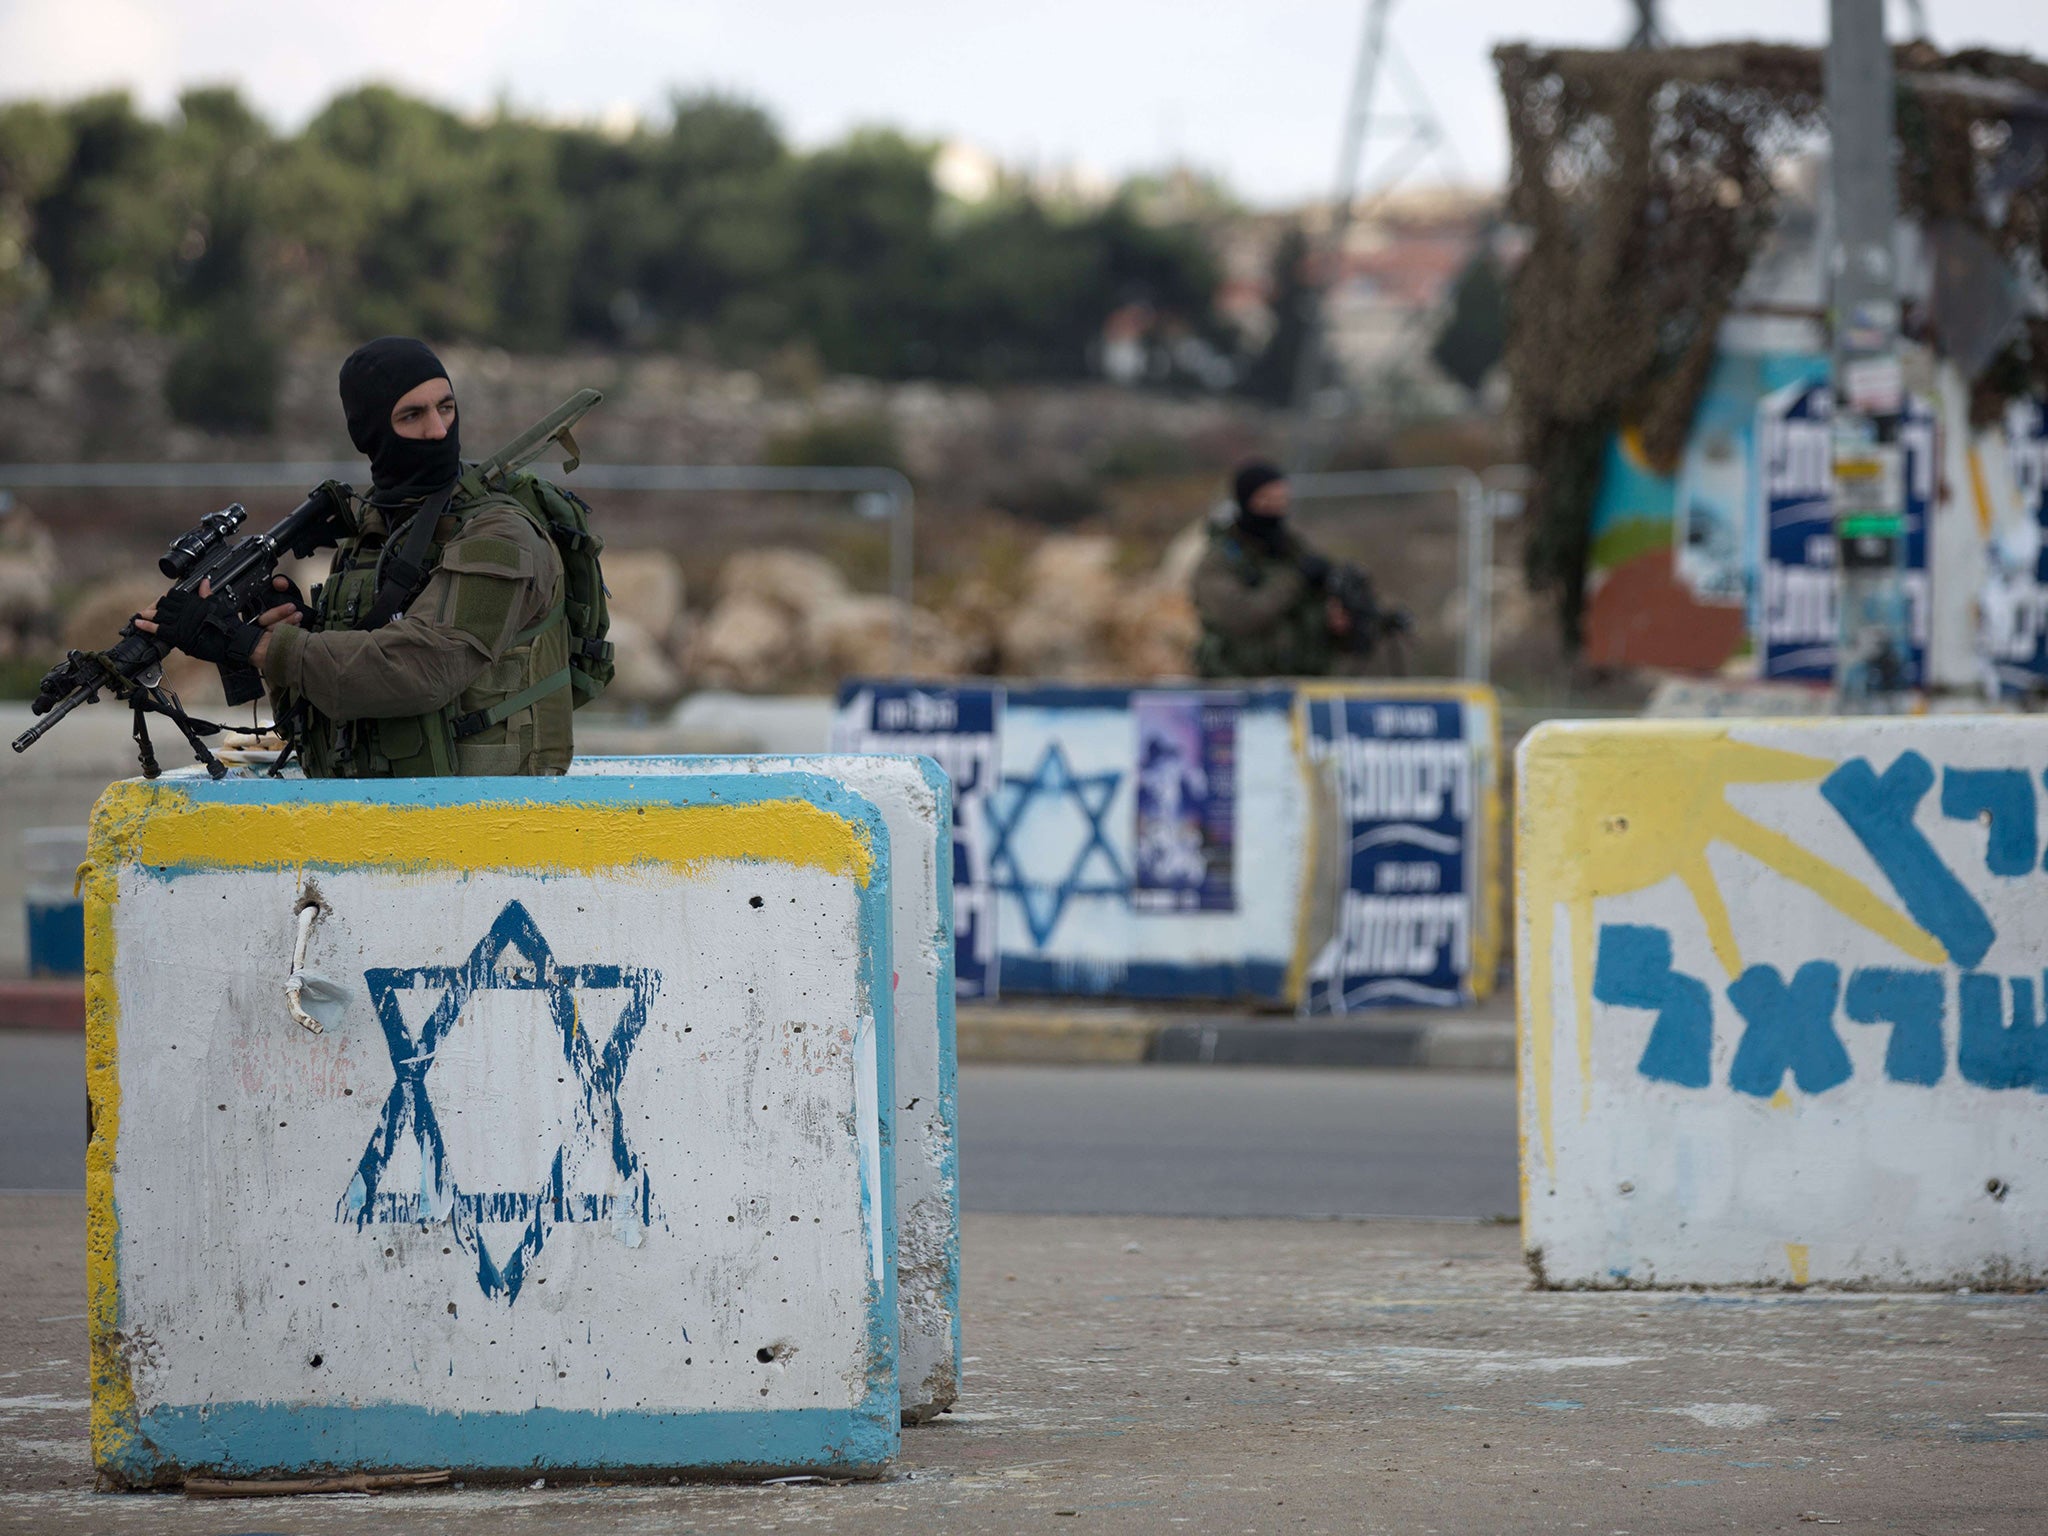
x=402 y=569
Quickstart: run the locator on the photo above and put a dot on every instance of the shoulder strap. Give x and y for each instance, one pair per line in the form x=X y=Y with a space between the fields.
x=405 y=564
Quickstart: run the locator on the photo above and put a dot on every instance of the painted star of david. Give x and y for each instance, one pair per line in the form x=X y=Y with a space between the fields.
x=1053 y=783
x=514 y=957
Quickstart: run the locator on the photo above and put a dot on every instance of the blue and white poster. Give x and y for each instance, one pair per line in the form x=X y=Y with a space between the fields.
x=1401 y=772
x=2014 y=602
x=960 y=728
x=1184 y=854
x=1795 y=461
x=1801 y=572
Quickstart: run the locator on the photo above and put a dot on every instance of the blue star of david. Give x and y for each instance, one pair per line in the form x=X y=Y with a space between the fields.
x=409 y=1110
x=1053 y=781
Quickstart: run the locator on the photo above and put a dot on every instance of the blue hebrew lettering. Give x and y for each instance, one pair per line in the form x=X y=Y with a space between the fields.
x=2004 y=797
x=1880 y=812
x=1634 y=971
x=1993 y=1055
x=1912 y=1002
x=511 y=957
x=1791 y=1027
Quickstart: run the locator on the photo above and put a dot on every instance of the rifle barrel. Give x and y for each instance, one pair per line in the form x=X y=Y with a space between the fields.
x=58 y=711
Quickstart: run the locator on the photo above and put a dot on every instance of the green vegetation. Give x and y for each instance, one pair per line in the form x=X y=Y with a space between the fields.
x=705 y=233
x=867 y=438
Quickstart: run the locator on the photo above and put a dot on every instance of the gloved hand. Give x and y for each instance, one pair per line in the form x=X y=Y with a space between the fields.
x=201 y=627
x=1315 y=570
x=288 y=596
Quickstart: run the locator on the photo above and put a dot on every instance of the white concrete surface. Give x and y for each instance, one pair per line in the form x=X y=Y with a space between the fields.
x=589 y=1168
x=1781 y=1002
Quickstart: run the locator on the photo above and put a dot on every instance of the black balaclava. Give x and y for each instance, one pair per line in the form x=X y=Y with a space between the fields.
x=1252 y=478
x=375 y=377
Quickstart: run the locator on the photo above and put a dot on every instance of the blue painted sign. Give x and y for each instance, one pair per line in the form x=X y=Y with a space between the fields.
x=1791 y=1024
x=1401 y=770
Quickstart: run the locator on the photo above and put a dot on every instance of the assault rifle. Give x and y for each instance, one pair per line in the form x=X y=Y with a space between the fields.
x=1371 y=625
x=239 y=576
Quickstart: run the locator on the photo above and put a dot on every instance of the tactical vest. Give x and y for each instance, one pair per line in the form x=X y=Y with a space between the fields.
x=1299 y=645
x=513 y=719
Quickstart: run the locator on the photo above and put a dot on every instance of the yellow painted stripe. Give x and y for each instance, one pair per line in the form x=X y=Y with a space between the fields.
x=566 y=839
x=1980 y=494
x=1798 y=1260
x=114 y=1420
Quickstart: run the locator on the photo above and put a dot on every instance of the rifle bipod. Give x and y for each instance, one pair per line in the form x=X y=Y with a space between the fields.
x=159 y=700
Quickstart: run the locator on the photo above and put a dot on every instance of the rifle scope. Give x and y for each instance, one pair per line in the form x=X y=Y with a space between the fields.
x=188 y=549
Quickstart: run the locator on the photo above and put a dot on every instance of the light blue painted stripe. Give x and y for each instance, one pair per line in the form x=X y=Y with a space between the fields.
x=949 y=1057
x=244 y=1438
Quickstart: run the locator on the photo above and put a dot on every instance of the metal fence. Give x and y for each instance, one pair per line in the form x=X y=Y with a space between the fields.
x=878 y=492
x=875 y=491
x=1482 y=499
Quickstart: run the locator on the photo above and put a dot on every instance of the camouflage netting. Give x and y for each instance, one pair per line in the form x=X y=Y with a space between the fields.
x=1644 y=180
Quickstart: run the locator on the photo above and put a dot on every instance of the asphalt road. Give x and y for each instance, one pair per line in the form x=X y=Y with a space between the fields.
x=1150 y=1141
x=1237 y=1141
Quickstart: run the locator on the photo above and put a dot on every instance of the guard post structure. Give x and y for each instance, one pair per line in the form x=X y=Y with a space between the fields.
x=1781 y=1002
x=512 y=1127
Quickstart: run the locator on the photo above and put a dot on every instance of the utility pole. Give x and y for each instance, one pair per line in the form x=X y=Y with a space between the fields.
x=1311 y=366
x=1874 y=634
x=1649 y=31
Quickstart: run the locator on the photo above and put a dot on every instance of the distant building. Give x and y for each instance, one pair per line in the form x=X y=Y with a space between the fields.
x=1401 y=258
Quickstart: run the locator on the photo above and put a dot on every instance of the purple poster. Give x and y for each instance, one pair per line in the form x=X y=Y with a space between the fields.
x=1185 y=850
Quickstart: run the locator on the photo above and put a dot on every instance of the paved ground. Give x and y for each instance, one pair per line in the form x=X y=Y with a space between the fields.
x=42 y=1110
x=1153 y=1140
x=1151 y=1375
x=1237 y=1141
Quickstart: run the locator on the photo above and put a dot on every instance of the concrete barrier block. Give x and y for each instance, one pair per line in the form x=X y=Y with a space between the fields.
x=588 y=1166
x=1330 y=845
x=1781 y=1002
x=915 y=799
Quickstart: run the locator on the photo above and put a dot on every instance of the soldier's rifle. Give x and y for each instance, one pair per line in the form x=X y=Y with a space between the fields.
x=237 y=577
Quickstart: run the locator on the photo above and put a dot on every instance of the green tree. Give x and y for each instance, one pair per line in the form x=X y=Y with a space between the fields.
x=1475 y=331
x=1292 y=298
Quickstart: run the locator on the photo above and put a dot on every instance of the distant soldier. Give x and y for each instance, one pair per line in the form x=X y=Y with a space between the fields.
x=1262 y=594
x=439 y=643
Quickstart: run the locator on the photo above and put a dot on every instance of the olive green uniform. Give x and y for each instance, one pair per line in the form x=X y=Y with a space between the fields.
x=417 y=696
x=1261 y=617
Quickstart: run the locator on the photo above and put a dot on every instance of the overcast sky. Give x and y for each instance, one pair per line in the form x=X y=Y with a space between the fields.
x=1251 y=89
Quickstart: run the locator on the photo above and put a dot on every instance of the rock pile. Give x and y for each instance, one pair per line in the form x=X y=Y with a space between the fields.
x=787 y=619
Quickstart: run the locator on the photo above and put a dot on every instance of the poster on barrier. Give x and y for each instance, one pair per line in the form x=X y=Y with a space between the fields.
x=1184 y=854
x=1795 y=451
x=1401 y=774
x=1103 y=836
x=2014 y=603
x=1801 y=578
x=960 y=728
